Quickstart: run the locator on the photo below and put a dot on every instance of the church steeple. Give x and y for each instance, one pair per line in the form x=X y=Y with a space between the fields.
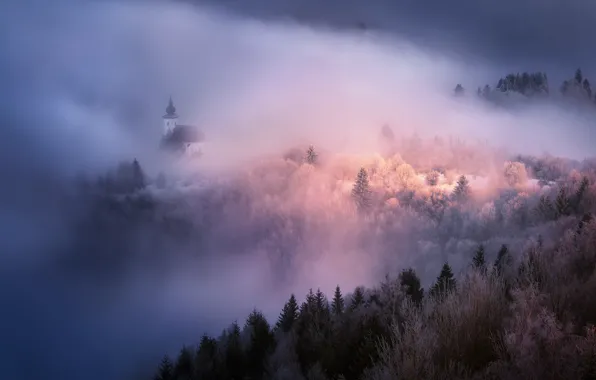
x=170 y=119
x=170 y=109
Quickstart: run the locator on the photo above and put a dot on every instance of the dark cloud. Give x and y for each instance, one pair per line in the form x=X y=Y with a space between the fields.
x=522 y=34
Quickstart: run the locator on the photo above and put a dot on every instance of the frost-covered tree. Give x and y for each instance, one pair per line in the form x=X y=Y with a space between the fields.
x=562 y=206
x=432 y=178
x=311 y=155
x=361 y=192
x=462 y=189
x=580 y=194
x=545 y=210
x=515 y=173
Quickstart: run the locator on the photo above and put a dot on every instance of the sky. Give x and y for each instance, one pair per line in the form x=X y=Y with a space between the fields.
x=84 y=84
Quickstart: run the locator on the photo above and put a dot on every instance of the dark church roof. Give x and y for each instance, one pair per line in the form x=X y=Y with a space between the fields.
x=170 y=110
x=182 y=135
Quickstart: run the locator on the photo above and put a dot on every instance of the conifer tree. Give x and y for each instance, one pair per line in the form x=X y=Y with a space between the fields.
x=501 y=259
x=357 y=298
x=261 y=344
x=445 y=282
x=478 y=260
x=562 y=203
x=138 y=175
x=183 y=370
x=234 y=354
x=311 y=155
x=361 y=191
x=587 y=88
x=462 y=189
x=410 y=281
x=289 y=315
x=205 y=358
x=578 y=76
x=337 y=305
x=579 y=194
x=545 y=208
x=165 y=370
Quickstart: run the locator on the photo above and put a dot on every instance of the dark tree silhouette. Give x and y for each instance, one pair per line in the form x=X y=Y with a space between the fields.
x=578 y=76
x=410 y=282
x=357 y=299
x=502 y=258
x=261 y=344
x=337 y=305
x=289 y=315
x=478 y=260
x=165 y=370
x=445 y=282
x=311 y=155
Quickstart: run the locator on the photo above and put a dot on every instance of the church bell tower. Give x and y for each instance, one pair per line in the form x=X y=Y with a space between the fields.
x=170 y=119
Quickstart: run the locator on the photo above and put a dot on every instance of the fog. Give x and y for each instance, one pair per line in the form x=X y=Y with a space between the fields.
x=84 y=87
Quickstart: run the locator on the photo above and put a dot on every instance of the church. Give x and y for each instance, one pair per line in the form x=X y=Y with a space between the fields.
x=179 y=138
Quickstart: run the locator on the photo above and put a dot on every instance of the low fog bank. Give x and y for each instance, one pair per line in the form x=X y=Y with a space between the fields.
x=94 y=276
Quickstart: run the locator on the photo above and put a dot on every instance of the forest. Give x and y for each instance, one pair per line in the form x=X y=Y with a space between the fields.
x=485 y=261
x=535 y=85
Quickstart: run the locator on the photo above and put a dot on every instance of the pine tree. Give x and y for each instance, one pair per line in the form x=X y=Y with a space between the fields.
x=138 y=175
x=580 y=193
x=501 y=260
x=587 y=88
x=361 y=191
x=562 y=203
x=478 y=261
x=445 y=282
x=165 y=370
x=337 y=305
x=357 y=299
x=261 y=344
x=545 y=208
x=205 y=358
x=321 y=306
x=311 y=155
x=578 y=76
x=289 y=315
x=410 y=282
x=462 y=189
x=234 y=354
x=183 y=370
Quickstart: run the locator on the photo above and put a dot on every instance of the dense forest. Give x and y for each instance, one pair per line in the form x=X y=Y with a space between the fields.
x=489 y=273
x=532 y=85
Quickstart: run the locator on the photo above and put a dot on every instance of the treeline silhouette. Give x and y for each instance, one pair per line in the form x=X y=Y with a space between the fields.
x=536 y=85
x=533 y=320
